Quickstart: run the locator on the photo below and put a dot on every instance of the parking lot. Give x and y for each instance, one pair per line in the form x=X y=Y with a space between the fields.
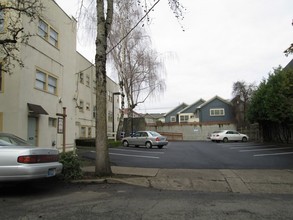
x=204 y=155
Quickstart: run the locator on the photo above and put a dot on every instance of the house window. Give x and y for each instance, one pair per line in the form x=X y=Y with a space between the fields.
x=46 y=82
x=48 y=33
x=173 y=118
x=217 y=112
x=184 y=118
x=1 y=78
x=1 y=20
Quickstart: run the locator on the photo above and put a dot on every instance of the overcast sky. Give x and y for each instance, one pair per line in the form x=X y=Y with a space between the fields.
x=224 y=41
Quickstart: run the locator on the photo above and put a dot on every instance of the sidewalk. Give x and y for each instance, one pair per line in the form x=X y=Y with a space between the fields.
x=203 y=180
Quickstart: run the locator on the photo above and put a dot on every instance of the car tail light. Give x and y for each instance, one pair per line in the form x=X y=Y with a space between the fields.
x=38 y=158
x=157 y=139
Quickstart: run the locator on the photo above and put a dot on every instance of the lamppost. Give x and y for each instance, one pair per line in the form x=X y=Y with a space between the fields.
x=113 y=112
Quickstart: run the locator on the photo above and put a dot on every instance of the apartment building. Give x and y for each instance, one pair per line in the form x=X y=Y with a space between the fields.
x=55 y=78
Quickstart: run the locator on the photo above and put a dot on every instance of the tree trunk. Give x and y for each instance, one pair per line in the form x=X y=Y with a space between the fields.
x=103 y=167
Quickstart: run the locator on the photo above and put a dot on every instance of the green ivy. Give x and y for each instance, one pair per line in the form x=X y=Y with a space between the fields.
x=71 y=166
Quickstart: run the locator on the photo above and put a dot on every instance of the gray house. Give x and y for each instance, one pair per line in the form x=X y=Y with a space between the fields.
x=215 y=110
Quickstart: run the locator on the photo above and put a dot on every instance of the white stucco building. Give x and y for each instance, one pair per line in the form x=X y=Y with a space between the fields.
x=55 y=76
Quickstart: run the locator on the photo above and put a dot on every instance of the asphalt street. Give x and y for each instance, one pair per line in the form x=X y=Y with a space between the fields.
x=204 y=155
x=56 y=200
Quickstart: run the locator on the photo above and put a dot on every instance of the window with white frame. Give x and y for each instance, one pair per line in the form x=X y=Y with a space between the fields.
x=48 y=33
x=184 y=118
x=46 y=82
x=173 y=118
x=1 y=20
x=217 y=112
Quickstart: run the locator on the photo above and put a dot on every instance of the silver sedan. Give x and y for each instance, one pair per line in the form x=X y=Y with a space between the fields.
x=145 y=138
x=21 y=161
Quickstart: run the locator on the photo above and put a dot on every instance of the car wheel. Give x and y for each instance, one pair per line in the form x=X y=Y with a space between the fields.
x=148 y=145
x=244 y=139
x=160 y=146
x=125 y=144
x=225 y=140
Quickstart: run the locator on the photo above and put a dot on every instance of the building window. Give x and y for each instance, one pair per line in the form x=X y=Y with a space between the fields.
x=53 y=37
x=1 y=20
x=1 y=78
x=110 y=115
x=184 y=118
x=48 y=33
x=217 y=112
x=41 y=80
x=46 y=82
x=81 y=105
x=52 y=122
x=81 y=77
x=94 y=112
x=173 y=118
x=89 y=132
x=87 y=80
x=52 y=85
x=83 y=132
x=87 y=106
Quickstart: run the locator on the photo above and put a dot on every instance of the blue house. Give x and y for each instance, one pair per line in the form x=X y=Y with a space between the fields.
x=215 y=110
x=189 y=114
x=173 y=116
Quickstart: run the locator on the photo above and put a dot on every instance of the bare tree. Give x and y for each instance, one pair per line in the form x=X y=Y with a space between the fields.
x=139 y=67
x=104 y=17
x=12 y=31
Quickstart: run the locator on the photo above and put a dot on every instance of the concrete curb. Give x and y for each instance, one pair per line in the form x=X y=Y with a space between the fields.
x=202 y=180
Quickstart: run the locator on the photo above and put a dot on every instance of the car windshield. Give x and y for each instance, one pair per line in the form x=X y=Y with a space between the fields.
x=8 y=140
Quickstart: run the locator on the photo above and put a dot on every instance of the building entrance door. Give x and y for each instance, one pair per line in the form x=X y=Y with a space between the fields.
x=32 y=131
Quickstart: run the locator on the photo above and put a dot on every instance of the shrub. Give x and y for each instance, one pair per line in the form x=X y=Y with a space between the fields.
x=71 y=166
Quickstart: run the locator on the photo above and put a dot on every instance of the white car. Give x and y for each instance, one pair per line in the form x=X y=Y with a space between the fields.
x=21 y=161
x=228 y=135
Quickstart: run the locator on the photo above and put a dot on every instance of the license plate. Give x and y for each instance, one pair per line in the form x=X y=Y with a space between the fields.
x=52 y=172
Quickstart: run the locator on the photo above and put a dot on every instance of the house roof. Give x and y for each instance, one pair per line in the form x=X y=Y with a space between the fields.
x=197 y=103
x=154 y=115
x=212 y=99
x=178 y=107
x=289 y=65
